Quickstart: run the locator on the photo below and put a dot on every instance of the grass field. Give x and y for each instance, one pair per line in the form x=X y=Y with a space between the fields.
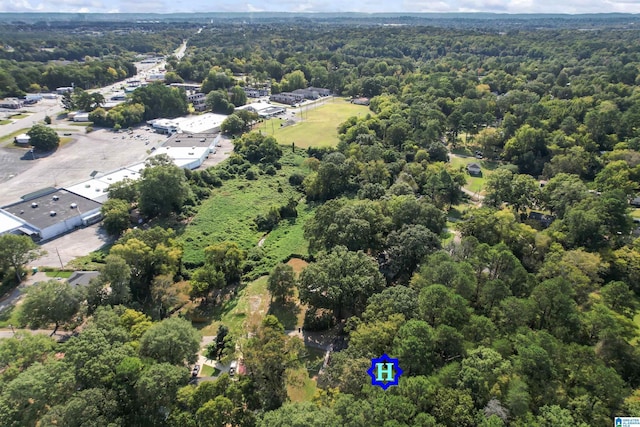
x=58 y=273
x=5 y=122
x=248 y=307
x=209 y=371
x=319 y=125
x=229 y=213
x=302 y=386
x=475 y=184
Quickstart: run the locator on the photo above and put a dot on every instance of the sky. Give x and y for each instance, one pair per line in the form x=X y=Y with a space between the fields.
x=367 y=6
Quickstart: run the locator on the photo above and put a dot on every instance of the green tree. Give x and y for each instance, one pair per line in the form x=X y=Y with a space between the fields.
x=218 y=102
x=163 y=188
x=160 y=100
x=340 y=280
x=215 y=413
x=16 y=251
x=414 y=346
x=25 y=399
x=258 y=148
x=172 y=341
x=300 y=414
x=156 y=390
x=116 y=216
x=93 y=407
x=51 y=302
x=124 y=190
x=268 y=355
x=43 y=138
x=226 y=258
x=238 y=96
x=233 y=125
x=281 y=282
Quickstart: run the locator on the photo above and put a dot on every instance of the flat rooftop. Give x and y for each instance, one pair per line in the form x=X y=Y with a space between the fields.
x=96 y=188
x=93 y=189
x=8 y=223
x=60 y=202
x=205 y=140
x=183 y=153
x=201 y=123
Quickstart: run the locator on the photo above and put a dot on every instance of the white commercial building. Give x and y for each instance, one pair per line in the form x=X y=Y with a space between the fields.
x=208 y=122
x=56 y=212
x=185 y=157
x=10 y=224
x=96 y=189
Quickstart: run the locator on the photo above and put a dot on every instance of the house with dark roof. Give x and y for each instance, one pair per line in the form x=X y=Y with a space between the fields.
x=635 y=202
x=474 y=169
x=543 y=219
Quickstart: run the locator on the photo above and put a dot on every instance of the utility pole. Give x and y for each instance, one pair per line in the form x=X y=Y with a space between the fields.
x=59 y=259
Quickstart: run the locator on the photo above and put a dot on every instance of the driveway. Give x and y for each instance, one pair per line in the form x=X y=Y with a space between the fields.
x=71 y=246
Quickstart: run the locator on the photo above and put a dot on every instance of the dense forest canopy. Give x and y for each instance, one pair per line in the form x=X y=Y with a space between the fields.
x=514 y=304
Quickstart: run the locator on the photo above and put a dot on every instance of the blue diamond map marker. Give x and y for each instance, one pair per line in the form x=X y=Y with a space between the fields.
x=384 y=371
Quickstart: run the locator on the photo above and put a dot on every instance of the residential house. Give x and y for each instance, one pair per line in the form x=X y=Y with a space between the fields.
x=474 y=169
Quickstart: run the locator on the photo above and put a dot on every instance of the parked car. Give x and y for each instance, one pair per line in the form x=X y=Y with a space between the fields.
x=232 y=368
x=195 y=371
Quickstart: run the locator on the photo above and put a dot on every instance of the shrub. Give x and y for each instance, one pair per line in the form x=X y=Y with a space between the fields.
x=318 y=320
x=296 y=179
x=251 y=174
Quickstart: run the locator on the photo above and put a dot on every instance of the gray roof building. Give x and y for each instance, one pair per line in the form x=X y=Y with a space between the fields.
x=56 y=212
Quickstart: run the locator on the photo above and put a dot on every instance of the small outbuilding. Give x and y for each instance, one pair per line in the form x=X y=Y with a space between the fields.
x=474 y=169
x=23 y=139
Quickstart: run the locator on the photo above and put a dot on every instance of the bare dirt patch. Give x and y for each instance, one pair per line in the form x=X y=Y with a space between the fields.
x=297 y=264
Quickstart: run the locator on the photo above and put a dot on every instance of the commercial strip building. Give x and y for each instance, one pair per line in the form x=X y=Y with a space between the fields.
x=11 y=103
x=288 y=98
x=50 y=214
x=96 y=188
x=208 y=122
x=263 y=109
x=189 y=151
x=253 y=92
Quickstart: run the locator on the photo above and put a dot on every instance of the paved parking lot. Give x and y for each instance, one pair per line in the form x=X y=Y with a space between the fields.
x=100 y=151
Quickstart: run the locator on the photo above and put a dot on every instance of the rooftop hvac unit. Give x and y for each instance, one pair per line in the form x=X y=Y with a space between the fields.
x=56 y=198
x=34 y=205
x=52 y=213
x=73 y=205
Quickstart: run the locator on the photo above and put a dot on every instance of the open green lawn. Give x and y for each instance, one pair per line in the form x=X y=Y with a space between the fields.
x=19 y=116
x=5 y=122
x=230 y=211
x=318 y=127
x=209 y=371
x=475 y=184
x=249 y=306
x=635 y=213
x=59 y=273
x=302 y=385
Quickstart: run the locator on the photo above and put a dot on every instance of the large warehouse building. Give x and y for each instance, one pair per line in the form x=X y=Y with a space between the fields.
x=53 y=213
x=189 y=151
x=96 y=188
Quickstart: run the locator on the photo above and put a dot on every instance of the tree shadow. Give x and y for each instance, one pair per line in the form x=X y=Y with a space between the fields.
x=35 y=154
x=287 y=313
